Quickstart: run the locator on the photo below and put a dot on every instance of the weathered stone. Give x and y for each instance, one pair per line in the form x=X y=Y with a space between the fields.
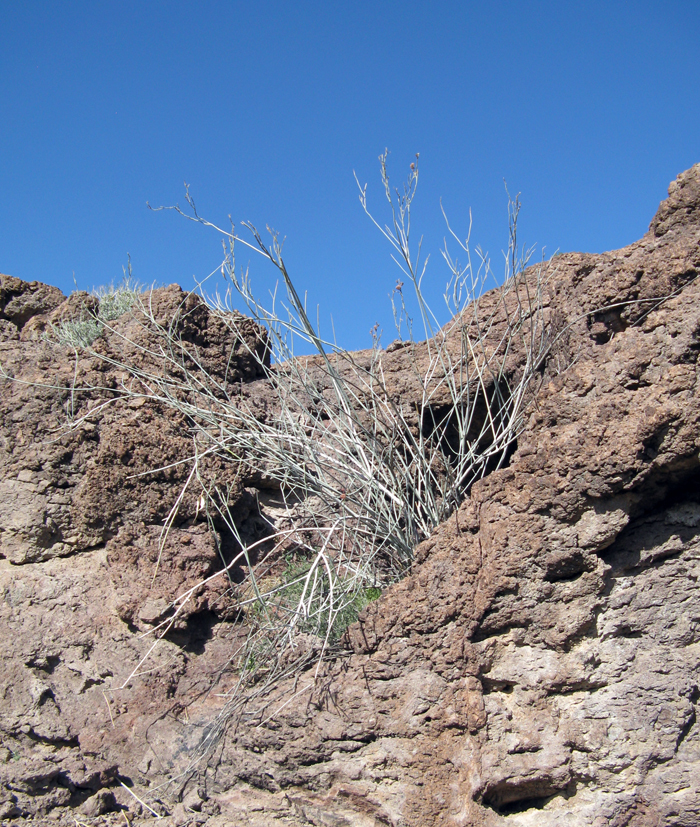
x=538 y=666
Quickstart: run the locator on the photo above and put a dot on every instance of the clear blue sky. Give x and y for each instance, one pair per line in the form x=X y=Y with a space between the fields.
x=588 y=109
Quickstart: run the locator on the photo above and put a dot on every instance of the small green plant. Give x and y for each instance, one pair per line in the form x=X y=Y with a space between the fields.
x=81 y=332
x=77 y=333
x=306 y=594
x=115 y=301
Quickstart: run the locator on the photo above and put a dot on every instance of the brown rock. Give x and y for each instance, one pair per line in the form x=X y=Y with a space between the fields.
x=20 y=301
x=538 y=666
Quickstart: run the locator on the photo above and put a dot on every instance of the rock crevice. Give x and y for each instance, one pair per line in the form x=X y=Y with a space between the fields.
x=538 y=666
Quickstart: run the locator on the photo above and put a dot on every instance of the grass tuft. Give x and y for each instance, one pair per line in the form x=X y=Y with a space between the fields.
x=114 y=301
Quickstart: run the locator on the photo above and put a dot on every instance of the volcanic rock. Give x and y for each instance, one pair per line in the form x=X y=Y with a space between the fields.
x=539 y=665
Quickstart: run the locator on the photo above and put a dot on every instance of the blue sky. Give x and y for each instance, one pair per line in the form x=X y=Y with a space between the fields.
x=266 y=108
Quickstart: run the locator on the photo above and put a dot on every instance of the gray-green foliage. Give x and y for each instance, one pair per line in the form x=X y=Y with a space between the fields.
x=306 y=595
x=115 y=301
x=79 y=333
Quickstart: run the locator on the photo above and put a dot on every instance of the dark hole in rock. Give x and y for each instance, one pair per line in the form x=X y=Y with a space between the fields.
x=197 y=631
x=496 y=686
x=522 y=806
x=441 y=423
x=605 y=323
x=509 y=799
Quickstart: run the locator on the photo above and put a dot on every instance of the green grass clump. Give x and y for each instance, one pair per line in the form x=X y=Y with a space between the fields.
x=316 y=608
x=81 y=332
x=77 y=333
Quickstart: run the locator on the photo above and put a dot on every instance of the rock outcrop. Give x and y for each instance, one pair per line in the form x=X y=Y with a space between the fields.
x=538 y=666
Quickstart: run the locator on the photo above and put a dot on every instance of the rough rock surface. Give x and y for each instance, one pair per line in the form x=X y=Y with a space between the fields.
x=538 y=666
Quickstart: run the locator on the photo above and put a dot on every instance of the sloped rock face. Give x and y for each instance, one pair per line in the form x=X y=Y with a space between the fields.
x=83 y=567
x=539 y=665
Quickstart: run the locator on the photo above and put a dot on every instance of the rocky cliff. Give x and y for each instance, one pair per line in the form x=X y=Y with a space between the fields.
x=538 y=666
